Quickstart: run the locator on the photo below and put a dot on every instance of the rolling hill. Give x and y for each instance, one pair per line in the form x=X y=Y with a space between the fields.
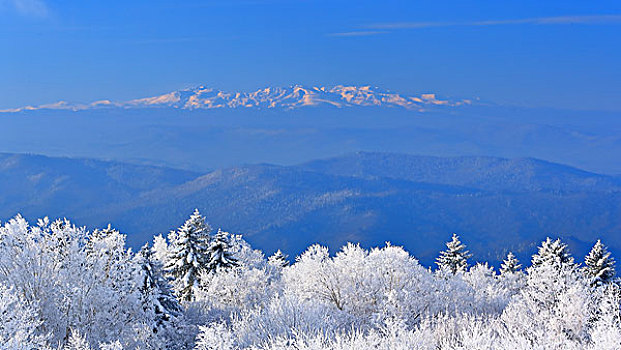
x=495 y=204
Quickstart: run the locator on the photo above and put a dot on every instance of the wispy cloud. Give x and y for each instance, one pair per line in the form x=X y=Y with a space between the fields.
x=359 y=33
x=594 y=19
x=30 y=8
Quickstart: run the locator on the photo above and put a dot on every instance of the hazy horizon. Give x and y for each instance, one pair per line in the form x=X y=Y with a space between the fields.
x=524 y=53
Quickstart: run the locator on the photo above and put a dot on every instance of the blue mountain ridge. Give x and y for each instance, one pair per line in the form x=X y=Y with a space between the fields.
x=495 y=204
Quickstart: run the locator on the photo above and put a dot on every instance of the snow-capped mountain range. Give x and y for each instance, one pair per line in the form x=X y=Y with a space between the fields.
x=292 y=97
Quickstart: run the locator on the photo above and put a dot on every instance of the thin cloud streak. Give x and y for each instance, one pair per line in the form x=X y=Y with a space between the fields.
x=598 y=19
x=31 y=8
x=358 y=33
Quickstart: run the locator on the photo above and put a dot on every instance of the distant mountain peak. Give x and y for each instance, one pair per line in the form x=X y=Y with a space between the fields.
x=292 y=97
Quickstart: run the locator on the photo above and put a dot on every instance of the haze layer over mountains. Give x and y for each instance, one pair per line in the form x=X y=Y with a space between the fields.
x=210 y=149
x=205 y=129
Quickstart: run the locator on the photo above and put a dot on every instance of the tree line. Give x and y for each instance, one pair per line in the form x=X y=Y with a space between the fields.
x=64 y=287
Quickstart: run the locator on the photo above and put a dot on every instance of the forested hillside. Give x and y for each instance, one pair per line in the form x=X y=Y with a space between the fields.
x=496 y=204
x=64 y=287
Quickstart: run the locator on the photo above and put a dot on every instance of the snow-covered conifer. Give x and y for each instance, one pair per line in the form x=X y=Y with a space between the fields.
x=160 y=249
x=510 y=264
x=552 y=253
x=278 y=259
x=554 y=307
x=116 y=345
x=455 y=257
x=599 y=265
x=77 y=342
x=158 y=303
x=220 y=255
x=188 y=255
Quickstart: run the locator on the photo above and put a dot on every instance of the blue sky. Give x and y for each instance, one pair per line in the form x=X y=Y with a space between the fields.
x=564 y=54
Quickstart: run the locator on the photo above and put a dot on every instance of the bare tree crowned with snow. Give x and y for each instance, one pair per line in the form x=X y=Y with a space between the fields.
x=187 y=255
x=455 y=257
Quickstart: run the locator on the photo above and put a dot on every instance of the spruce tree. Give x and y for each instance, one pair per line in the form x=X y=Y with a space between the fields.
x=599 y=265
x=455 y=257
x=278 y=259
x=77 y=342
x=188 y=255
x=510 y=264
x=552 y=253
x=158 y=303
x=160 y=249
x=220 y=255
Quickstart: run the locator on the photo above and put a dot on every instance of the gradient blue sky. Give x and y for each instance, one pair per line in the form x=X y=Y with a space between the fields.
x=564 y=54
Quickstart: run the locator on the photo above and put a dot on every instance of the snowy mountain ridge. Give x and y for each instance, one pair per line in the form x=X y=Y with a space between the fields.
x=291 y=97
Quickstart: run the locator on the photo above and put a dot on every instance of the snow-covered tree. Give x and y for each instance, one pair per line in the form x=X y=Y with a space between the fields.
x=77 y=342
x=160 y=249
x=606 y=330
x=510 y=264
x=552 y=253
x=599 y=265
x=278 y=259
x=553 y=309
x=555 y=305
x=79 y=281
x=64 y=287
x=511 y=276
x=220 y=255
x=158 y=302
x=245 y=255
x=215 y=337
x=365 y=285
x=236 y=289
x=115 y=345
x=455 y=257
x=490 y=294
x=187 y=255
x=19 y=323
x=111 y=274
